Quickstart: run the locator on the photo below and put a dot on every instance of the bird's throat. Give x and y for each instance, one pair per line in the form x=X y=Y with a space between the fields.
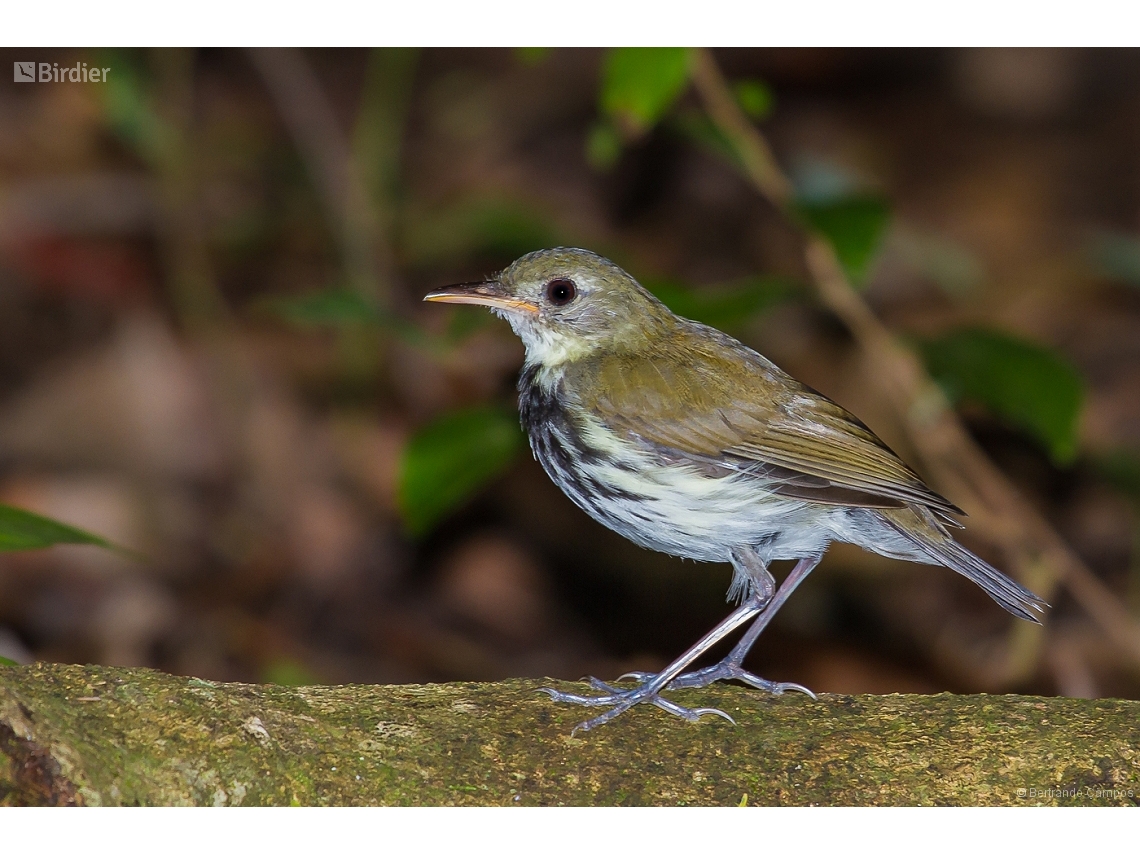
x=546 y=346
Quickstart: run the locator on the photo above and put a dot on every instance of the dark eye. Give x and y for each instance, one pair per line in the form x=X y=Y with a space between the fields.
x=559 y=292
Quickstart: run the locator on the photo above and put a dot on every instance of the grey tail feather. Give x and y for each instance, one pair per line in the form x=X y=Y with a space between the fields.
x=1005 y=592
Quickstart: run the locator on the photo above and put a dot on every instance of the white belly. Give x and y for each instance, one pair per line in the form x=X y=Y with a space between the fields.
x=680 y=509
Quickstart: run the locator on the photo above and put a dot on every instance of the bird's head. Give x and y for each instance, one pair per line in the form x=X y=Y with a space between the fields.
x=567 y=303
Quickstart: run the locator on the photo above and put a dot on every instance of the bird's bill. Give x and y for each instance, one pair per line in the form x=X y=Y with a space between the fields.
x=480 y=294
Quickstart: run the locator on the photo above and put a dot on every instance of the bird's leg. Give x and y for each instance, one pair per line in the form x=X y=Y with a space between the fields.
x=732 y=666
x=750 y=576
x=650 y=689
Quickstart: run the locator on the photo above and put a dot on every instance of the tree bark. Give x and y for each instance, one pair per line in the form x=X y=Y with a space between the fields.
x=91 y=735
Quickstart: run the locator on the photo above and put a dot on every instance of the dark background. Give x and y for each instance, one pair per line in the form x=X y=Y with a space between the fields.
x=167 y=380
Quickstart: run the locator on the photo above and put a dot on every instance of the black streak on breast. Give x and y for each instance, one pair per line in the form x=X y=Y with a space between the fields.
x=559 y=445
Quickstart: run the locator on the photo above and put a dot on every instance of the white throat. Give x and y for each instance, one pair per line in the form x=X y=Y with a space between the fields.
x=544 y=345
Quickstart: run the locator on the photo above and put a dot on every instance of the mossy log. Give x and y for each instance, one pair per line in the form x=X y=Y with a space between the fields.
x=89 y=735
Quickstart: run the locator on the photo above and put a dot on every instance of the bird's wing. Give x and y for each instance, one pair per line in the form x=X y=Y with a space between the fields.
x=744 y=413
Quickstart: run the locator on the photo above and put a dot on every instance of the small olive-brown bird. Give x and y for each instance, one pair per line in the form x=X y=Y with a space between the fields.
x=683 y=440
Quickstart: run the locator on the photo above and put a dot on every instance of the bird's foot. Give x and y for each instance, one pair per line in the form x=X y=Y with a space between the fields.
x=619 y=701
x=723 y=670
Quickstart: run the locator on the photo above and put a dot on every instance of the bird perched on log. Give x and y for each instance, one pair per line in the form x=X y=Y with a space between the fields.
x=686 y=441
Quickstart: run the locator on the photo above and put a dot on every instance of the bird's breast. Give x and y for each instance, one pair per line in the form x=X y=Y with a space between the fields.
x=658 y=501
x=563 y=442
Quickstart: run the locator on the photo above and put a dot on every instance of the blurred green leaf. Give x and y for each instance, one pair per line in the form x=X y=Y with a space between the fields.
x=854 y=225
x=532 y=55
x=288 y=672
x=447 y=461
x=727 y=306
x=1116 y=255
x=11 y=663
x=381 y=121
x=1121 y=469
x=698 y=127
x=332 y=308
x=603 y=146
x=1025 y=383
x=755 y=98
x=20 y=529
x=128 y=110
x=464 y=322
x=488 y=227
x=340 y=308
x=639 y=85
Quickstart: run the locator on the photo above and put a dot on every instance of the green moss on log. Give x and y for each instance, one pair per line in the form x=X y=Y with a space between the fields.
x=100 y=736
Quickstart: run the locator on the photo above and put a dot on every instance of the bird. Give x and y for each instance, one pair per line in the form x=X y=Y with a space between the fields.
x=686 y=441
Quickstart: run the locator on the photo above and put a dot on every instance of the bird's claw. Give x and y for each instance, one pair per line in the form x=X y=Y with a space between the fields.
x=660 y=702
x=728 y=670
x=621 y=700
x=767 y=685
x=640 y=676
x=725 y=670
x=691 y=714
x=780 y=688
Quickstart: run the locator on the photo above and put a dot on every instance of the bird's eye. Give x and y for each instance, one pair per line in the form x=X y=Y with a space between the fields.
x=559 y=292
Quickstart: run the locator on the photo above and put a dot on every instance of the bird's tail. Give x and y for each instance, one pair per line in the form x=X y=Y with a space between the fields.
x=1012 y=597
x=943 y=549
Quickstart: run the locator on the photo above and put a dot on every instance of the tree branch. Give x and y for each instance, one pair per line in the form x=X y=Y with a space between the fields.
x=92 y=735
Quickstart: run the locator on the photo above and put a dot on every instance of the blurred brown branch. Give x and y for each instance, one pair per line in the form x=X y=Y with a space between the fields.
x=193 y=284
x=325 y=149
x=1037 y=554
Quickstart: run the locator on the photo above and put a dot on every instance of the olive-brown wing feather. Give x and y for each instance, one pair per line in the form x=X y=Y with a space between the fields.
x=736 y=410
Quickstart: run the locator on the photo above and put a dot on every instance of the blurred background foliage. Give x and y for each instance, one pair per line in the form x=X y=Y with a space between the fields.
x=214 y=356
